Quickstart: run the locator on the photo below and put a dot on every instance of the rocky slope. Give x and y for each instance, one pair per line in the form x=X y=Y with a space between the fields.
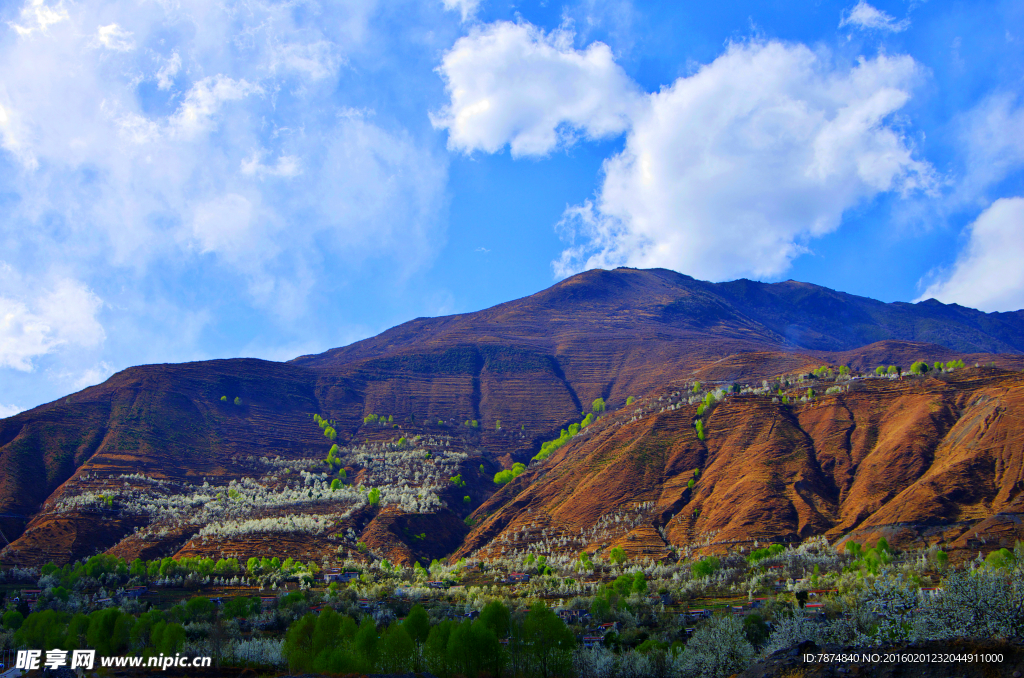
x=939 y=452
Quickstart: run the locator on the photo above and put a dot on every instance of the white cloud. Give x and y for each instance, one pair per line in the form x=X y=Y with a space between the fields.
x=9 y=410
x=36 y=15
x=991 y=134
x=136 y=177
x=466 y=7
x=286 y=166
x=866 y=17
x=163 y=178
x=988 y=273
x=115 y=38
x=79 y=378
x=165 y=76
x=225 y=224
x=63 y=315
x=731 y=171
x=202 y=102
x=315 y=61
x=513 y=84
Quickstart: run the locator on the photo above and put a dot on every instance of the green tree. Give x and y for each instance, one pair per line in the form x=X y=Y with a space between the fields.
x=365 y=643
x=473 y=648
x=696 y=387
x=597 y=405
x=892 y=369
x=755 y=629
x=101 y=630
x=435 y=649
x=12 y=620
x=497 y=617
x=844 y=370
x=238 y=401
x=629 y=400
x=497 y=425
x=199 y=609
x=335 y=484
x=417 y=623
x=690 y=483
x=880 y=370
x=617 y=555
x=325 y=632
x=78 y=631
x=373 y=496
x=298 y=644
x=396 y=650
x=223 y=399
x=548 y=641
x=919 y=367
x=705 y=567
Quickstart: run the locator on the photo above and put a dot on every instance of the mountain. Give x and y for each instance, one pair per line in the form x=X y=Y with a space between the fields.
x=160 y=459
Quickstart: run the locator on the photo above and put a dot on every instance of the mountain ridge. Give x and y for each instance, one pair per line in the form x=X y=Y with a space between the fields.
x=494 y=385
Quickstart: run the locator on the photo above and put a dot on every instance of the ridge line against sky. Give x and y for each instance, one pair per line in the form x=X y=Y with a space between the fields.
x=194 y=180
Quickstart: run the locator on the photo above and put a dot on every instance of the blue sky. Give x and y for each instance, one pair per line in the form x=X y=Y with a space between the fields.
x=192 y=180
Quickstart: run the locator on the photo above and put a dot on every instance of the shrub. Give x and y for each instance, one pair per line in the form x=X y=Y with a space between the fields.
x=506 y=476
x=705 y=567
x=762 y=554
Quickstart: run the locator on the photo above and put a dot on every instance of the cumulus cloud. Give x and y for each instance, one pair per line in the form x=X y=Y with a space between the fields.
x=732 y=171
x=63 y=315
x=988 y=274
x=36 y=15
x=160 y=172
x=131 y=175
x=465 y=7
x=114 y=37
x=866 y=17
x=514 y=84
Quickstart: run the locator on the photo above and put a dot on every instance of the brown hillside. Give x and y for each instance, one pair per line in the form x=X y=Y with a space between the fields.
x=923 y=460
x=74 y=473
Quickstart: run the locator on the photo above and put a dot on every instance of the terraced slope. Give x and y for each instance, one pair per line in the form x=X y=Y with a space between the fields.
x=493 y=385
x=920 y=460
